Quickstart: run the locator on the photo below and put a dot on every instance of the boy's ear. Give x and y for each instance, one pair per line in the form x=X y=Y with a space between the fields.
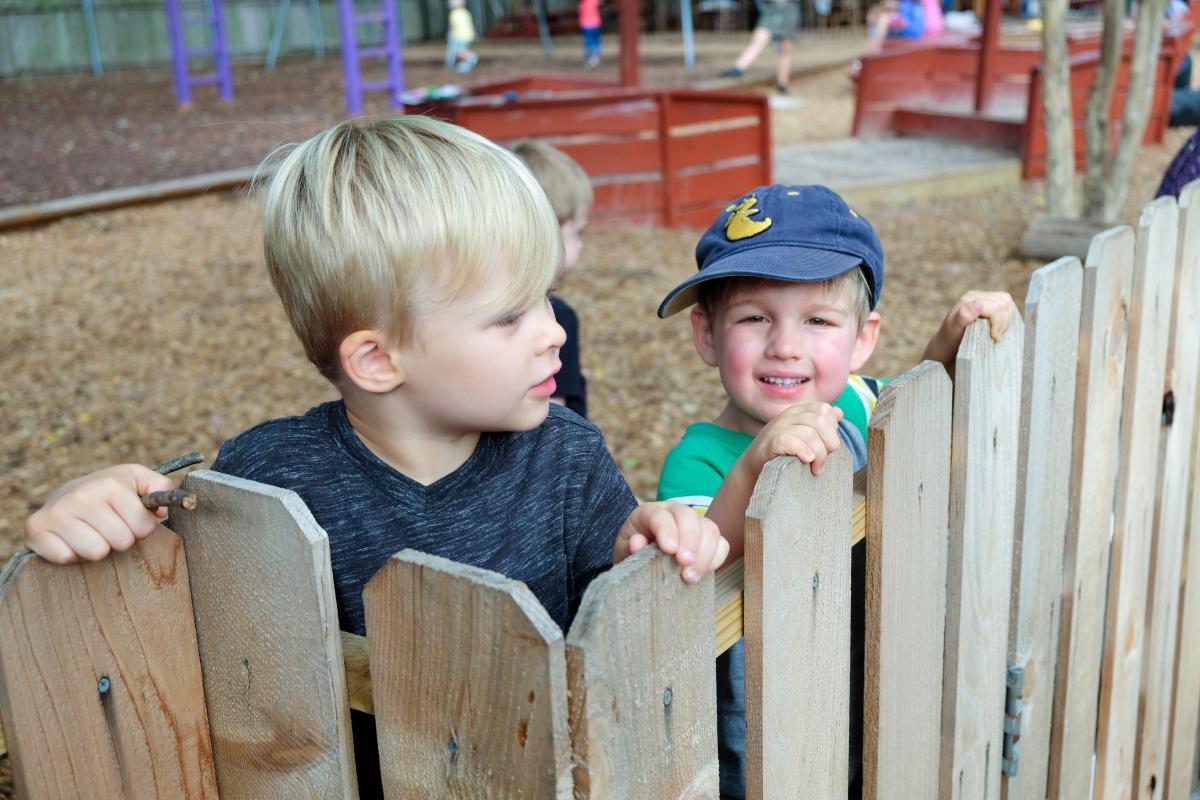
x=864 y=344
x=369 y=362
x=702 y=335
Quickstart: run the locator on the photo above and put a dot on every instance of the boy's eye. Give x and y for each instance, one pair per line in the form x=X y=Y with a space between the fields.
x=754 y=318
x=510 y=319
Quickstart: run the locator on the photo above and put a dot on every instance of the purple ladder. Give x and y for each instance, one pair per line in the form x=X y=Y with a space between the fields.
x=352 y=54
x=218 y=51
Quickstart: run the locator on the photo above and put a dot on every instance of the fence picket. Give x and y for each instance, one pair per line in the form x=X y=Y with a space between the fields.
x=1124 y=639
x=642 y=686
x=797 y=623
x=1099 y=388
x=987 y=399
x=469 y=683
x=908 y=495
x=1052 y=309
x=1185 y=701
x=100 y=683
x=1166 y=549
x=267 y=628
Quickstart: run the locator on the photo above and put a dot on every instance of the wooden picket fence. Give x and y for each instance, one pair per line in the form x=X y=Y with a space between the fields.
x=1028 y=608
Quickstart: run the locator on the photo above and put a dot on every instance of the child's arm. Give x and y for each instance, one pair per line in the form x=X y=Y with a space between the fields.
x=997 y=307
x=807 y=431
x=92 y=516
x=694 y=540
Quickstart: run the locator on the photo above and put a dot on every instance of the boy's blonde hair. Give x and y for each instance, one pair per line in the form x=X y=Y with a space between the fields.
x=565 y=182
x=850 y=286
x=378 y=224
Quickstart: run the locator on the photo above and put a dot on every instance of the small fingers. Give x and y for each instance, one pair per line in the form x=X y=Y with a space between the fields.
x=84 y=541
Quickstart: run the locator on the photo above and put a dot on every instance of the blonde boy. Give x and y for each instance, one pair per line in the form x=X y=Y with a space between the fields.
x=570 y=192
x=783 y=307
x=413 y=260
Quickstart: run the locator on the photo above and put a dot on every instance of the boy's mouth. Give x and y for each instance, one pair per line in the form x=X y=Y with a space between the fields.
x=776 y=380
x=547 y=387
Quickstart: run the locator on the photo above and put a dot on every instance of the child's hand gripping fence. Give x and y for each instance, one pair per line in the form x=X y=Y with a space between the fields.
x=988 y=516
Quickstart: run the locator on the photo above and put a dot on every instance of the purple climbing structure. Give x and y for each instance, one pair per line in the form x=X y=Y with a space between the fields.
x=352 y=55
x=218 y=50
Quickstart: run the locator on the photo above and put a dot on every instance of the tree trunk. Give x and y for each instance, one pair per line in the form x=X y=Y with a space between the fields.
x=1095 y=115
x=1143 y=73
x=1056 y=97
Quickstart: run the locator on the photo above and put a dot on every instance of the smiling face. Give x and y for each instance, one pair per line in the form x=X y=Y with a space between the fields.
x=778 y=343
x=476 y=365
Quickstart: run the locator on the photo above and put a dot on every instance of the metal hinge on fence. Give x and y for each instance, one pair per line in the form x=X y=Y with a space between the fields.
x=1012 y=720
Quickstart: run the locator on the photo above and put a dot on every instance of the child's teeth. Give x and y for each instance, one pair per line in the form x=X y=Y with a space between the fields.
x=784 y=381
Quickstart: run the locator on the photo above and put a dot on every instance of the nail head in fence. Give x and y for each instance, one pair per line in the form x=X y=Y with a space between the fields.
x=908 y=491
x=1156 y=744
x=67 y=632
x=1186 y=697
x=983 y=472
x=1150 y=320
x=1099 y=387
x=642 y=684
x=267 y=626
x=1052 y=311
x=797 y=639
x=469 y=683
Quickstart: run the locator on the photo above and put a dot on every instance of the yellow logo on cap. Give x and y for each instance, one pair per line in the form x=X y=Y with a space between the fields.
x=739 y=225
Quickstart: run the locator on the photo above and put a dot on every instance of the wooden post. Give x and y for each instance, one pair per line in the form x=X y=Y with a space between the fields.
x=469 y=683
x=1052 y=308
x=100 y=684
x=986 y=69
x=1099 y=385
x=1124 y=639
x=797 y=622
x=267 y=626
x=983 y=472
x=642 y=684
x=629 y=22
x=1186 y=701
x=908 y=494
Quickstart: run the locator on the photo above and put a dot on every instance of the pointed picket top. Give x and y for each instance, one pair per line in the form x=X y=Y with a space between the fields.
x=100 y=685
x=267 y=626
x=469 y=682
x=640 y=658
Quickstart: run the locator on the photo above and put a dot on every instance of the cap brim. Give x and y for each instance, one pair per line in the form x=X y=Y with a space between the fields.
x=773 y=262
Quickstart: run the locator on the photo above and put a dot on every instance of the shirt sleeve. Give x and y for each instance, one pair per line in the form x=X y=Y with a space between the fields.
x=690 y=476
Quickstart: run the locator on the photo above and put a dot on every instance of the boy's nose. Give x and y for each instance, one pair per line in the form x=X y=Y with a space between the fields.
x=556 y=335
x=785 y=343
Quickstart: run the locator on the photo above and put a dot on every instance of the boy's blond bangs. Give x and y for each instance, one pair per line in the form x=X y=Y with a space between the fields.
x=377 y=225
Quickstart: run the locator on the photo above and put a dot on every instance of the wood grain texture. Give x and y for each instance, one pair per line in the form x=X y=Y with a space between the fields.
x=1124 y=640
x=797 y=619
x=469 y=679
x=908 y=491
x=66 y=633
x=1166 y=543
x=267 y=626
x=1052 y=310
x=983 y=476
x=1185 y=700
x=1099 y=389
x=642 y=685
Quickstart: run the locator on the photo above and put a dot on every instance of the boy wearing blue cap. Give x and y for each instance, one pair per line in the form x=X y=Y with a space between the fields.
x=783 y=306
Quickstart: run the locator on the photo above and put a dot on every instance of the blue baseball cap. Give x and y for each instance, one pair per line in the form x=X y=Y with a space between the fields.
x=785 y=233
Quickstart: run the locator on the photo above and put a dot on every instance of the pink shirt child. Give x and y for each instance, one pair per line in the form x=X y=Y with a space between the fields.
x=934 y=23
x=589 y=13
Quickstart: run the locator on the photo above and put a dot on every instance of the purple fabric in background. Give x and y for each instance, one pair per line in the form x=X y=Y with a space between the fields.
x=1184 y=168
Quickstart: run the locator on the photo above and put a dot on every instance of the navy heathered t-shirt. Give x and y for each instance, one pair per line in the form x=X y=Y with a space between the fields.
x=541 y=506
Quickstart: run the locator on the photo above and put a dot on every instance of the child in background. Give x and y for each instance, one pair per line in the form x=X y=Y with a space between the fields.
x=570 y=193
x=901 y=19
x=783 y=307
x=589 y=25
x=460 y=35
x=780 y=22
x=413 y=259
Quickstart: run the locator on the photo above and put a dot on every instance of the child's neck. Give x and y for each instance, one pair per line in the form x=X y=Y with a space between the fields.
x=423 y=455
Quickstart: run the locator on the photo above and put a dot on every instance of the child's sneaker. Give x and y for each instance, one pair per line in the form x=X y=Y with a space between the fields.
x=732 y=72
x=467 y=64
x=591 y=61
x=782 y=88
